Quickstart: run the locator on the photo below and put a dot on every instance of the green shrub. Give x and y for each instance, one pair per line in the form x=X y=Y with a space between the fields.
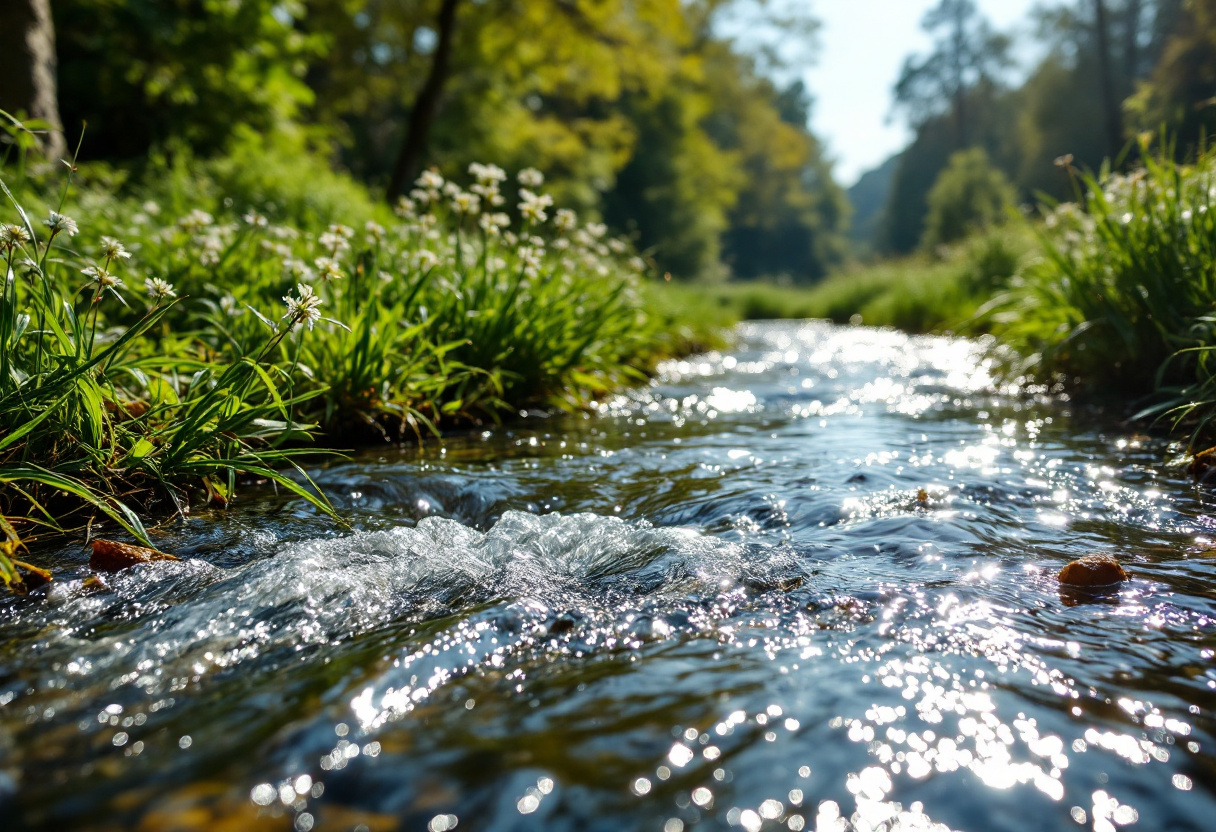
x=970 y=195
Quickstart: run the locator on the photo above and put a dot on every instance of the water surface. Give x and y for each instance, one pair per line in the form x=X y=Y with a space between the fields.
x=806 y=584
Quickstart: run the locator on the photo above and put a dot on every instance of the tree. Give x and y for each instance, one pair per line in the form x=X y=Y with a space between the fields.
x=146 y=73
x=422 y=114
x=969 y=195
x=28 y=68
x=967 y=54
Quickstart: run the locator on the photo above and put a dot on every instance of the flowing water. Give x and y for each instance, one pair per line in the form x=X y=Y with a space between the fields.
x=809 y=584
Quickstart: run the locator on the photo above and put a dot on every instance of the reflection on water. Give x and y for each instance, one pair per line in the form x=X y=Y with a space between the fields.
x=805 y=585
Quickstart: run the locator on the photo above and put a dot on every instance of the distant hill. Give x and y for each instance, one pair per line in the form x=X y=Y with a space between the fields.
x=869 y=198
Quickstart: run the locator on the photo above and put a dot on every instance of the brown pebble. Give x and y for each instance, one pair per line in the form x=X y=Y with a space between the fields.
x=109 y=556
x=1093 y=570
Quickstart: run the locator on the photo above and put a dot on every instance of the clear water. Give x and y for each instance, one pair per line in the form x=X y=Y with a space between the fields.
x=718 y=603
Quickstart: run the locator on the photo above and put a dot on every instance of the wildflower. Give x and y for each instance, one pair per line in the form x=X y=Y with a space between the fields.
x=637 y=264
x=256 y=220
x=493 y=224
x=430 y=180
x=530 y=256
x=618 y=246
x=1064 y=161
x=195 y=220
x=451 y=189
x=495 y=264
x=103 y=279
x=158 y=289
x=530 y=178
x=597 y=229
x=343 y=231
x=375 y=231
x=230 y=307
x=533 y=206
x=466 y=203
x=328 y=269
x=303 y=309
x=332 y=242
x=112 y=249
x=406 y=208
x=422 y=197
x=565 y=220
x=60 y=224
x=12 y=236
x=487 y=175
x=425 y=259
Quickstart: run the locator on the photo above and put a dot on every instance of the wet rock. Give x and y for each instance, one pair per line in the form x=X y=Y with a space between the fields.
x=109 y=556
x=1093 y=571
x=1203 y=465
x=770 y=584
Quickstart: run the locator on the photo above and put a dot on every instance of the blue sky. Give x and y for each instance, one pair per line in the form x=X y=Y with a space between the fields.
x=863 y=44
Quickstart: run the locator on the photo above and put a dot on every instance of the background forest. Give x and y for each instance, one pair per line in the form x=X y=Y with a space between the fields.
x=672 y=121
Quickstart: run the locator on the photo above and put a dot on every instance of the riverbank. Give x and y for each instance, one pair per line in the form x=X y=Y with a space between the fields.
x=1111 y=295
x=163 y=340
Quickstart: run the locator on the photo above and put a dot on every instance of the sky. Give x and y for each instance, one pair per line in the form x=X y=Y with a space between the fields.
x=863 y=44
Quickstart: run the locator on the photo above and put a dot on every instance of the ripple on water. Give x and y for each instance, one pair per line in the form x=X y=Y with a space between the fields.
x=807 y=584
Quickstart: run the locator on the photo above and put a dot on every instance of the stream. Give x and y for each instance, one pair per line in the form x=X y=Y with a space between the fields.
x=809 y=583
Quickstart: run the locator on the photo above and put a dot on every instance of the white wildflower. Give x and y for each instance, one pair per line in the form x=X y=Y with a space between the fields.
x=12 y=236
x=112 y=249
x=425 y=259
x=103 y=279
x=466 y=203
x=304 y=309
x=430 y=180
x=487 y=174
x=230 y=307
x=533 y=206
x=493 y=224
x=618 y=246
x=530 y=178
x=565 y=220
x=343 y=231
x=61 y=224
x=597 y=229
x=256 y=220
x=406 y=208
x=328 y=269
x=158 y=289
x=375 y=231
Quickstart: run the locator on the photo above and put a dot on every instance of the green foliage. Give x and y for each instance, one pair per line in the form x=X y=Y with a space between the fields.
x=142 y=73
x=110 y=403
x=916 y=294
x=1182 y=87
x=970 y=195
x=1123 y=298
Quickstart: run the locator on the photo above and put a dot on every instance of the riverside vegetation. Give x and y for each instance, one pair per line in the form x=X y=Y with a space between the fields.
x=1114 y=292
x=217 y=320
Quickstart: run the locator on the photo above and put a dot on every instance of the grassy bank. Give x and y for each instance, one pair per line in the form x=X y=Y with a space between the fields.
x=165 y=337
x=1114 y=293
x=916 y=294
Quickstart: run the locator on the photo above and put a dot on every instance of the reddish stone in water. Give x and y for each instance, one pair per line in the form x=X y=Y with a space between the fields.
x=109 y=556
x=1093 y=570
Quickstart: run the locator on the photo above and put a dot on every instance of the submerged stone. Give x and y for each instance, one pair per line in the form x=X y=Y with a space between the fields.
x=109 y=556
x=1093 y=571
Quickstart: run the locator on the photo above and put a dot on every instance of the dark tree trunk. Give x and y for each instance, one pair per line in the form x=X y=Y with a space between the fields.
x=28 y=68
x=422 y=116
x=1110 y=100
x=1131 y=44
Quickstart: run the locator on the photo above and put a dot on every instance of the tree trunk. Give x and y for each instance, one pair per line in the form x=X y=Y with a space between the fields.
x=1131 y=44
x=1110 y=101
x=422 y=116
x=28 y=68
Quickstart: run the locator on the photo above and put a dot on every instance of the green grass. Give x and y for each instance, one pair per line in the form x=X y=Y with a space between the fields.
x=916 y=294
x=251 y=323
x=1124 y=295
